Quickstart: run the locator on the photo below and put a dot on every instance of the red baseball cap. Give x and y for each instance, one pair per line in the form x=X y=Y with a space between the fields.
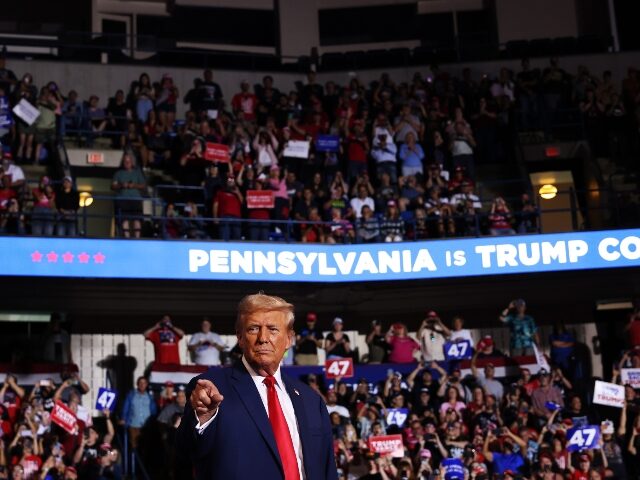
x=432 y=314
x=311 y=317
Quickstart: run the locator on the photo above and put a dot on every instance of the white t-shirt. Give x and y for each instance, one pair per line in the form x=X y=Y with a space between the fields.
x=15 y=172
x=206 y=354
x=357 y=203
x=342 y=411
x=432 y=345
x=462 y=334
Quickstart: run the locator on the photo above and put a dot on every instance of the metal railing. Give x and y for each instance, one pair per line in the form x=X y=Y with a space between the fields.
x=593 y=209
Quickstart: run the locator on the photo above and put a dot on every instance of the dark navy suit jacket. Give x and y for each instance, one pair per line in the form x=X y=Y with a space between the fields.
x=239 y=443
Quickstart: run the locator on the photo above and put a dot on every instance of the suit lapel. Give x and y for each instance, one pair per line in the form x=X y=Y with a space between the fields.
x=246 y=390
x=301 y=417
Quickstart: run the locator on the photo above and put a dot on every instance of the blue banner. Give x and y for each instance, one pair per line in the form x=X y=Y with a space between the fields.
x=327 y=143
x=457 y=350
x=298 y=262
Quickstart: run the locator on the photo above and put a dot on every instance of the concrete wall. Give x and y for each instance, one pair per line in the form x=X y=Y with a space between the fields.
x=526 y=20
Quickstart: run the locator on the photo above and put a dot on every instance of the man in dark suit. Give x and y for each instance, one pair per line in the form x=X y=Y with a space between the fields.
x=250 y=421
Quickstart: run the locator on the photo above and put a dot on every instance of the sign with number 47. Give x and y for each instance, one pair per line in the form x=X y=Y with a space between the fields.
x=583 y=438
x=457 y=350
x=106 y=399
x=338 y=367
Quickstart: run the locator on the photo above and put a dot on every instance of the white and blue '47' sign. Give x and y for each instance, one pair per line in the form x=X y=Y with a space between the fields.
x=106 y=399
x=457 y=350
x=397 y=416
x=583 y=438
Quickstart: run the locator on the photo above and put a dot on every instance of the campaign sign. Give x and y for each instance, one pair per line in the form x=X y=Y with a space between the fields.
x=605 y=393
x=216 y=152
x=630 y=376
x=583 y=438
x=541 y=360
x=338 y=367
x=106 y=399
x=27 y=112
x=453 y=468
x=61 y=415
x=387 y=445
x=260 y=199
x=397 y=416
x=95 y=158
x=327 y=143
x=6 y=120
x=457 y=350
x=297 y=149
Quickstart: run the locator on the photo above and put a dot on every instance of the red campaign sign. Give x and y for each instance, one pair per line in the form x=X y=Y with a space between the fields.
x=64 y=417
x=260 y=199
x=387 y=444
x=338 y=367
x=216 y=152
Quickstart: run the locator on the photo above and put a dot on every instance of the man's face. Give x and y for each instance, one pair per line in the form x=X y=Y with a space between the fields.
x=332 y=397
x=264 y=339
x=143 y=384
x=206 y=326
x=181 y=398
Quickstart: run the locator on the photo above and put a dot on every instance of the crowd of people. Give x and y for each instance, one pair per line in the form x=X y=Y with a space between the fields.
x=384 y=162
x=475 y=425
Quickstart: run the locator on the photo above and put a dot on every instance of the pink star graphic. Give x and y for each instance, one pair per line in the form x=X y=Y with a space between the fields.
x=52 y=257
x=98 y=258
x=83 y=257
x=67 y=257
x=36 y=256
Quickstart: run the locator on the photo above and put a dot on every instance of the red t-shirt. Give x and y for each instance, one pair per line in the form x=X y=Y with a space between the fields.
x=356 y=150
x=31 y=465
x=228 y=204
x=246 y=103
x=165 y=344
x=6 y=194
x=260 y=214
x=578 y=475
x=634 y=333
x=402 y=349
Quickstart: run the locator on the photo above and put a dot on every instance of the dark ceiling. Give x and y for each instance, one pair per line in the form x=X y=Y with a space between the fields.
x=131 y=305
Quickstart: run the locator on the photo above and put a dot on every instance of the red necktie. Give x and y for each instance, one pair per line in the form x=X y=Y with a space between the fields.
x=281 y=432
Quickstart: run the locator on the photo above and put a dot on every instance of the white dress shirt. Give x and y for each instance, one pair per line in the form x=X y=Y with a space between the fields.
x=285 y=403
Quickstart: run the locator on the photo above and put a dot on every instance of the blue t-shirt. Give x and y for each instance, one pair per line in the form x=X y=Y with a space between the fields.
x=503 y=462
x=561 y=354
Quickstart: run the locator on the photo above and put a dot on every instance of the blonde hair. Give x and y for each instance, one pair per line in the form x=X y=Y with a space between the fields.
x=261 y=302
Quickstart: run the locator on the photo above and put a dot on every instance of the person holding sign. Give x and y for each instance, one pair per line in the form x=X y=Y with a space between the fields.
x=258 y=231
x=228 y=204
x=545 y=395
x=27 y=91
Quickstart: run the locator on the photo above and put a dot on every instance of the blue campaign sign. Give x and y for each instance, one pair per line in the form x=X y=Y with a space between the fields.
x=106 y=399
x=327 y=143
x=583 y=438
x=397 y=416
x=457 y=350
x=304 y=262
x=453 y=469
x=6 y=118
